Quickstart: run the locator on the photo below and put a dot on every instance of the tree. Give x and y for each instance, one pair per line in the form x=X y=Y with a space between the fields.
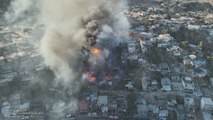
x=131 y=98
x=185 y=43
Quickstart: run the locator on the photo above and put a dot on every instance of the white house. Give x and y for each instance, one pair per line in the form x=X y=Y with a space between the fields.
x=206 y=104
x=102 y=100
x=131 y=46
x=166 y=84
x=102 y=103
x=188 y=83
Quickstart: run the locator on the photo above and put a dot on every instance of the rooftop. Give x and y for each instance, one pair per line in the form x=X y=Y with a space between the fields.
x=188 y=101
x=207 y=100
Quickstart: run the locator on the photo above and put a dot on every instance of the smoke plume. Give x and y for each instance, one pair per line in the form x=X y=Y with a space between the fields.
x=72 y=24
x=75 y=24
x=22 y=11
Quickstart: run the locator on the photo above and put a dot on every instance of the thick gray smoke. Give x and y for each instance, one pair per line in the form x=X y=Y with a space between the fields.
x=72 y=24
x=69 y=26
x=22 y=11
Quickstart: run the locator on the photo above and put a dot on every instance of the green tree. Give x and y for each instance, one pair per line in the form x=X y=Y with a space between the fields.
x=185 y=43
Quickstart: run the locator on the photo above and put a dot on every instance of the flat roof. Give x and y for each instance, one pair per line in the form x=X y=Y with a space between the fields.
x=207 y=100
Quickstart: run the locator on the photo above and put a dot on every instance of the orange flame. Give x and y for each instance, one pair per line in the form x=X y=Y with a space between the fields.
x=95 y=51
x=91 y=77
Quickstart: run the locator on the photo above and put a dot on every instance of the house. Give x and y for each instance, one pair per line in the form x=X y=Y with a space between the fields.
x=176 y=82
x=27 y=77
x=201 y=72
x=192 y=57
x=131 y=44
x=122 y=105
x=198 y=92
x=103 y=103
x=146 y=35
x=140 y=28
x=142 y=60
x=164 y=40
x=142 y=108
x=102 y=100
x=143 y=46
x=94 y=96
x=188 y=84
x=104 y=109
x=206 y=104
x=163 y=114
x=194 y=27
x=188 y=62
x=24 y=106
x=162 y=102
x=133 y=56
x=113 y=117
x=163 y=44
x=171 y=104
x=113 y=105
x=207 y=115
x=83 y=106
x=145 y=83
x=13 y=106
x=140 y=101
x=164 y=68
x=153 y=85
x=6 y=109
x=166 y=84
x=199 y=63
x=174 y=50
x=93 y=114
x=206 y=91
x=8 y=76
x=189 y=104
x=181 y=115
x=142 y=111
x=129 y=86
x=2 y=58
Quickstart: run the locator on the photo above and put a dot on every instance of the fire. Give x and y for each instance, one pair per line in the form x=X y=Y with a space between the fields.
x=95 y=51
x=91 y=77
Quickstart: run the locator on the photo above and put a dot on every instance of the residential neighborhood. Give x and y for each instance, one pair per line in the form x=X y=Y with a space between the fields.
x=162 y=69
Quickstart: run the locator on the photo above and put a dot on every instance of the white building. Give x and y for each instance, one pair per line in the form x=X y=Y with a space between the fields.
x=163 y=114
x=102 y=103
x=206 y=104
x=188 y=83
x=165 y=38
x=188 y=61
x=131 y=46
x=129 y=86
x=102 y=100
x=146 y=35
x=166 y=84
x=207 y=116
